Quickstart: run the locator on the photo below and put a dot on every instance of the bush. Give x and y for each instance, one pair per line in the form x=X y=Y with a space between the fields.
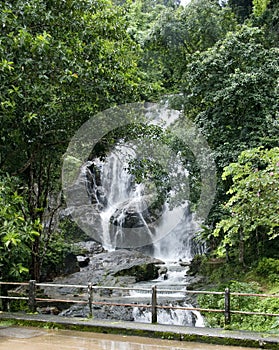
x=242 y=303
x=269 y=269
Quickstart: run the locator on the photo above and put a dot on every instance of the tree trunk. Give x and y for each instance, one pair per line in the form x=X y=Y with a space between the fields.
x=35 y=270
x=241 y=250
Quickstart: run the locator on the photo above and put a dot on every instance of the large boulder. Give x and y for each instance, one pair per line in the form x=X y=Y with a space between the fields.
x=135 y=264
x=117 y=268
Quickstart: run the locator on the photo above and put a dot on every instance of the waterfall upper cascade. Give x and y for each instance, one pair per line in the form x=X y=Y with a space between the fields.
x=126 y=219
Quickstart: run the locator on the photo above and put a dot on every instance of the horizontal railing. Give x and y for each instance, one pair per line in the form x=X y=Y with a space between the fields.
x=89 y=299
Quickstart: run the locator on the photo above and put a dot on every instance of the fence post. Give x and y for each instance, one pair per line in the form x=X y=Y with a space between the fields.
x=227 y=306
x=154 y=305
x=5 y=305
x=32 y=296
x=90 y=298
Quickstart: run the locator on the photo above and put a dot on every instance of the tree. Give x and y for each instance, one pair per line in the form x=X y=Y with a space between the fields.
x=141 y=17
x=179 y=33
x=259 y=6
x=231 y=93
x=266 y=16
x=143 y=14
x=17 y=231
x=253 y=204
x=59 y=64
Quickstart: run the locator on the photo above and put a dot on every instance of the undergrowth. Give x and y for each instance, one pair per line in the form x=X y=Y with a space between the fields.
x=262 y=278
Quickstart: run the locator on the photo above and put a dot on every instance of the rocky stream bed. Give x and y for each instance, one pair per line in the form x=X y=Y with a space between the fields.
x=119 y=268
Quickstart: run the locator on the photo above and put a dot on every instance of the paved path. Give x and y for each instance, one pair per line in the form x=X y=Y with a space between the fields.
x=183 y=333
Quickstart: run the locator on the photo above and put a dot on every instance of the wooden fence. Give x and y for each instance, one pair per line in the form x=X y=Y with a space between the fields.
x=33 y=300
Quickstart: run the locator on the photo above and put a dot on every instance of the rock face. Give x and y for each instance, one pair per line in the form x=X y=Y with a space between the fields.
x=120 y=267
x=103 y=189
x=137 y=265
x=135 y=213
x=83 y=261
x=102 y=312
x=72 y=263
x=117 y=268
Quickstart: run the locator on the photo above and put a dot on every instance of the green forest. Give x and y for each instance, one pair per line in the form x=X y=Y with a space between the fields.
x=61 y=62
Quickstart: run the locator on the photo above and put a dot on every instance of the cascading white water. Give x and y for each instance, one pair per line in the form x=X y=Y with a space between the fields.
x=117 y=187
x=107 y=204
x=171 y=292
x=172 y=233
x=178 y=243
x=124 y=200
x=122 y=195
x=172 y=316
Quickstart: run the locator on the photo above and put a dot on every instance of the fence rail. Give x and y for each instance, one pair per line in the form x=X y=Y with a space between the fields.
x=155 y=292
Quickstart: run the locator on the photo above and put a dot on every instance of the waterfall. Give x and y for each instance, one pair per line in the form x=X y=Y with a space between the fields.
x=124 y=206
x=153 y=216
x=171 y=316
x=117 y=189
x=125 y=216
x=178 y=243
x=124 y=209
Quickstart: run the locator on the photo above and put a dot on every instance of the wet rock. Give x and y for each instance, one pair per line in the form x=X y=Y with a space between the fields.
x=117 y=268
x=124 y=313
x=83 y=261
x=184 y=263
x=142 y=272
x=68 y=266
x=135 y=213
x=102 y=312
x=76 y=311
x=138 y=265
x=195 y=265
x=196 y=282
x=90 y=247
x=162 y=270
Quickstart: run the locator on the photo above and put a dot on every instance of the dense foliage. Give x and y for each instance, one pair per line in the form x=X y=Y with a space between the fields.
x=253 y=204
x=251 y=304
x=231 y=92
x=179 y=33
x=17 y=231
x=59 y=64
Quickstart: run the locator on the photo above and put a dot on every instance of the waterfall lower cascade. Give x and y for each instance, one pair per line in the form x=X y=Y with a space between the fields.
x=172 y=292
x=125 y=221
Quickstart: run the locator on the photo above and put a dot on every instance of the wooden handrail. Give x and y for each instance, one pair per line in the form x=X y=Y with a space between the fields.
x=155 y=295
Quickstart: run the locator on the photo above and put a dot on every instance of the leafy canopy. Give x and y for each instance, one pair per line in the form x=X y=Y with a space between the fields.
x=254 y=196
x=179 y=32
x=17 y=231
x=231 y=92
x=60 y=63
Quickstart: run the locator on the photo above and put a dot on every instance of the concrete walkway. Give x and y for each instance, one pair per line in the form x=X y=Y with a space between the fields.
x=183 y=333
